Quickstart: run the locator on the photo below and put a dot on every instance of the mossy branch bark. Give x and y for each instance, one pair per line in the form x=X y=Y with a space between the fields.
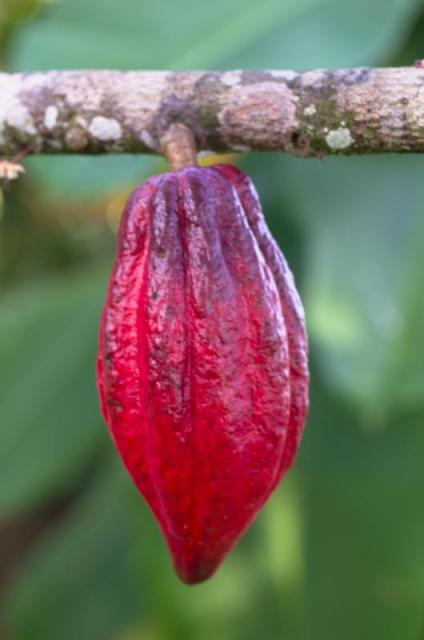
x=312 y=113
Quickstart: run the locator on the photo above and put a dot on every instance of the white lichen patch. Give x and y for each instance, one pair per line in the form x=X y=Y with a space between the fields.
x=105 y=129
x=50 y=117
x=339 y=138
x=284 y=75
x=148 y=140
x=231 y=78
x=310 y=111
x=13 y=113
x=20 y=118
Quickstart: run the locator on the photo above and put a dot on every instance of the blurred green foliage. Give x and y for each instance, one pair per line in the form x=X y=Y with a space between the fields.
x=338 y=551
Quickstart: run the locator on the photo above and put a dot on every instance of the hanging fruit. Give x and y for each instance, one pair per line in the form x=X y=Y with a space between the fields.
x=202 y=364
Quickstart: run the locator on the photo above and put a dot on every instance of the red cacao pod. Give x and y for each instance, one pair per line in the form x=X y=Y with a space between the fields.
x=202 y=364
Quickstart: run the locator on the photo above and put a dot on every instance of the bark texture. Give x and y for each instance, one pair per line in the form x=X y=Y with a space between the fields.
x=311 y=113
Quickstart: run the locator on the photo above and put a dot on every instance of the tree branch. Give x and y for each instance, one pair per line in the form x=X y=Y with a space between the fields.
x=309 y=113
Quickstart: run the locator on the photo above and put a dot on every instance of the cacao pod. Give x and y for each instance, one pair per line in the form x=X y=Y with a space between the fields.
x=202 y=364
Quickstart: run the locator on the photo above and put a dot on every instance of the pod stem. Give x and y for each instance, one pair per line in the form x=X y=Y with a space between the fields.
x=179 y=147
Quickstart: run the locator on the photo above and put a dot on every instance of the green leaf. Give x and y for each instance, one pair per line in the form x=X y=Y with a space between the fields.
x=12 y=12
x=364 y=525
x=211 y=35
x=78 y=582
x=363 y=289
x=49 y=415
x=78 y=178
x=203 y=35
x=330 y=33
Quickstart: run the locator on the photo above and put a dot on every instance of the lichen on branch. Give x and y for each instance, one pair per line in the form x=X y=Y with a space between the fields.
x=311 y=113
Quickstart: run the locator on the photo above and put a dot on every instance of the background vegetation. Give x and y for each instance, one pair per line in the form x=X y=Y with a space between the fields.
x=338 y=551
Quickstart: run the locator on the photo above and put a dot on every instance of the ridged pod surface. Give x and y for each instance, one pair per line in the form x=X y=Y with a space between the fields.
x=202 y=364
